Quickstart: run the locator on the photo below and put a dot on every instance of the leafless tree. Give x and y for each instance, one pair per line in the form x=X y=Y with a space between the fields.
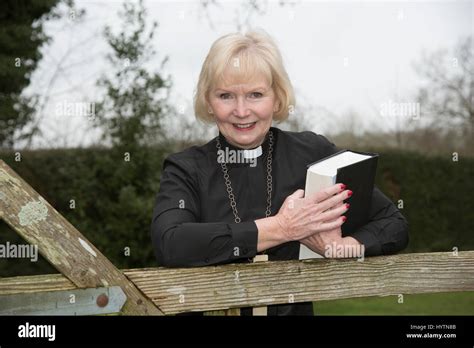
x=244 y=13
x=447 y=97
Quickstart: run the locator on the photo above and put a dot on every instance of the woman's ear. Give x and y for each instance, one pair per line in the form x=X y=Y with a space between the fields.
x=209 y=108
x=276 y=107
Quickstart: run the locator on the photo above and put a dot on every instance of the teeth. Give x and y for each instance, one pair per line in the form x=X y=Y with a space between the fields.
x=247 y=125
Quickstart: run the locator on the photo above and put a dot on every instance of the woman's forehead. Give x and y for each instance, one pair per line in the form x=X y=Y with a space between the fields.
x=242 y=82
x=244 y=86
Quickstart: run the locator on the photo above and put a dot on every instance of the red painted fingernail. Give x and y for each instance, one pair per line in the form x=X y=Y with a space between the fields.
x=344 y=219
x=347 y=205
x=343 y=187
x=349 y=193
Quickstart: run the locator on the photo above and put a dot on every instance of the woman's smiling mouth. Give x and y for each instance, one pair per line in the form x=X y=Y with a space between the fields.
x=244 y=126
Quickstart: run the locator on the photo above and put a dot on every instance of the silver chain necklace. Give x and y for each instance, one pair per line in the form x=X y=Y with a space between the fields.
x=228 y=185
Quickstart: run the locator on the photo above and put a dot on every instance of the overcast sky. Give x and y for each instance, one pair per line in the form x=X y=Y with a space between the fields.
x=340 y=55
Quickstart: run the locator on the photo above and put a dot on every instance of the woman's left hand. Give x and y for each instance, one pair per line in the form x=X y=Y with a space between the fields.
x=326 y=243
x=320 y=242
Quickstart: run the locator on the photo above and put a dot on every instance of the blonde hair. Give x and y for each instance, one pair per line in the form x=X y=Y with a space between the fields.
x=252 y=54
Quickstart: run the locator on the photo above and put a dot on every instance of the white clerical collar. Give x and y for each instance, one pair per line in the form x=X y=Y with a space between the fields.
x=253 y=153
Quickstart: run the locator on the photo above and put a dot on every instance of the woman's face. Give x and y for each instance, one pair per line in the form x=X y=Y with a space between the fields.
x=243 y=112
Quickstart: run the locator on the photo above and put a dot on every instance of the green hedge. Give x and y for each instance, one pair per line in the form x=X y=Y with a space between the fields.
x=114 y=199
x=437 y=198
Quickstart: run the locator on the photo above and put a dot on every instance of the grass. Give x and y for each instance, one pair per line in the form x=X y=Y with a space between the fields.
x=452 y=303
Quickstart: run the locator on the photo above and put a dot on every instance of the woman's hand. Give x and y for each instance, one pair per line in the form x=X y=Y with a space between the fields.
x=331 y=244
x=322 y=242
x=327 y=243
x=300 y=217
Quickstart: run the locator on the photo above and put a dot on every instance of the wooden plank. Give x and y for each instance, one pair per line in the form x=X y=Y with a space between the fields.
x=253 y=285
x=260 y=311
x=266 y=283
x=62 y=244
x=38 y=283
x=92 y=301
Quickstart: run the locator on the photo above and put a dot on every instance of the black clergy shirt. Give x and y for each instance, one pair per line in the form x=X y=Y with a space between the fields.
x=193 y=223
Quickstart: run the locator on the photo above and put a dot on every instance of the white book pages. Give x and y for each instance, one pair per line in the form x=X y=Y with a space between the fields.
x=329 y=167
x=321 y=175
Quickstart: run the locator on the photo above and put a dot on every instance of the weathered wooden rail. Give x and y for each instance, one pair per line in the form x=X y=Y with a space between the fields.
x=248 y=285
x=159 y=291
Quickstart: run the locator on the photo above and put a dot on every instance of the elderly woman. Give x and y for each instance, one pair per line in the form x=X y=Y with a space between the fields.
x=241 y=193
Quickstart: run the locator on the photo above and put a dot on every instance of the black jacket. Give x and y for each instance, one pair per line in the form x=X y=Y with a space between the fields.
x=193 y=223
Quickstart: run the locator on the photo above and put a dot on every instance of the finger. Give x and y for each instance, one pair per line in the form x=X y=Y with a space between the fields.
x=326 y=193
x=334 y=200
x=330 y=225
x=340 y=204
x=334 y=213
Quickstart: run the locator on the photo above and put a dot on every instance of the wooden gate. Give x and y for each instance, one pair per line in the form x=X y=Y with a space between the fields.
x=98 y=287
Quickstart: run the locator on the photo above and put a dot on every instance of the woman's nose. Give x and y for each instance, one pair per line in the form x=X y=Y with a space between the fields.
x=241 y=109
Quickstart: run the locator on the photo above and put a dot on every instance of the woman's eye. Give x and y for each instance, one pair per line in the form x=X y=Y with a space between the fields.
x=224 y=96
x=256 y=95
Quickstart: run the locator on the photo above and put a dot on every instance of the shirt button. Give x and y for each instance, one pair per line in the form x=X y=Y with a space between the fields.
x=206 y=260
x=245 y=250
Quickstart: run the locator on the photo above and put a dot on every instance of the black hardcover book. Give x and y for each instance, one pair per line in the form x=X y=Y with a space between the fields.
x=354 y=169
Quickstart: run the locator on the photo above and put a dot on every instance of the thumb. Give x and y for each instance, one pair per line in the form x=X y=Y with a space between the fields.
x=297 y=194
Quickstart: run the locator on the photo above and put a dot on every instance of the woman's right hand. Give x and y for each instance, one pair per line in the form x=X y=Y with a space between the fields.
x=300 y=217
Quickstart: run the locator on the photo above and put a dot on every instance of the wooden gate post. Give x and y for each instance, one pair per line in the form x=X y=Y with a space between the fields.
x=32 y=217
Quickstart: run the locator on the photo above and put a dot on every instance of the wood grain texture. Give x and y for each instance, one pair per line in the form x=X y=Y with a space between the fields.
x=252 y=285
x=211 y=288
x=62 y=244
x=39 y=283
